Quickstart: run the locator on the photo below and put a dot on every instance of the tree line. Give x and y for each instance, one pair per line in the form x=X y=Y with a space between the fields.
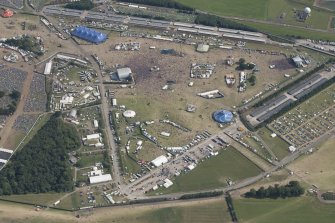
x=80 y=5
x=162 y=3
x=212 y=20
x=42 y=165
x=292 y=189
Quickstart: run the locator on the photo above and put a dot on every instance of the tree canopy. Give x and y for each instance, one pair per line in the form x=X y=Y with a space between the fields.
x=292 y=189
x=42 y=165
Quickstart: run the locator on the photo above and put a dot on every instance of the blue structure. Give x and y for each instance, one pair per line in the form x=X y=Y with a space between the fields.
x=89 y=35
x=223 y=116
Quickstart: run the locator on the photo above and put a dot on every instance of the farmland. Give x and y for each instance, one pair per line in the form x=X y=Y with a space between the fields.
x=303 y=209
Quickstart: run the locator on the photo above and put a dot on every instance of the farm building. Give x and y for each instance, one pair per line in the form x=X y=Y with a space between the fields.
x=89 y=35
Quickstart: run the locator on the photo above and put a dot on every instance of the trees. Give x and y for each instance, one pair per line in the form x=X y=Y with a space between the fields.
x=292 y=189
x=42 y=165
x=252 y=80
x=212 y=20
x=80 y=5
x=162 y=3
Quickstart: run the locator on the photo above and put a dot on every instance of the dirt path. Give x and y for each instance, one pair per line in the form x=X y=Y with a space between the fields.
x=7 y=130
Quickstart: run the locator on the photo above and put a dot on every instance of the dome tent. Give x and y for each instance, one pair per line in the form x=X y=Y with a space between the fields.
x=223 y=116
x=89 y=35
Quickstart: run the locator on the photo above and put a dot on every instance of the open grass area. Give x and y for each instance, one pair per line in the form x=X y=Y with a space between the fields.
x=293 y=210
x=261 y=150
x=291 y=31
x=214 y=172
x=278 y=11
x=317 y=168
x=214 y=213
x=86 y=160
x=278 y=146
x=39 y=199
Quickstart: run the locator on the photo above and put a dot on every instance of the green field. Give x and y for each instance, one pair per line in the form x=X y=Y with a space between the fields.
x=279 y=11
x=293 y=210
x=276 y=11
x=214 y=172
x=278 y=146
x=90 y=160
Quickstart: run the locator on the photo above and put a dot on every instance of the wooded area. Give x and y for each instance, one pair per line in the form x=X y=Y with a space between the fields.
x=42 y=165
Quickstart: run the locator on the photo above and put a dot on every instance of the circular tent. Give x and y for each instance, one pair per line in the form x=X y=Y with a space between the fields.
x=129 y=114
x=223 y=116
x=307 y=10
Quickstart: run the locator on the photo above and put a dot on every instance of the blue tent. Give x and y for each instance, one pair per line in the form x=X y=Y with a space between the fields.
x=89 y=35
x=223 y=116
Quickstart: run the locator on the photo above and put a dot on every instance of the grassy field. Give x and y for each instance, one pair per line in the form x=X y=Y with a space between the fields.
x=214 y=172
x=278 y=146
x=317 y=168
x=293 y=210
x=216 y=212
x=279 y=11
x=90 y=160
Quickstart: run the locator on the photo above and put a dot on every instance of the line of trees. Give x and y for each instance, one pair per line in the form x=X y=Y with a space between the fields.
x=212 y=20
x=201 y=195
x=292 y=189
x=42 y=165
x=231 y=209
x=162 y=3
x=80 y=5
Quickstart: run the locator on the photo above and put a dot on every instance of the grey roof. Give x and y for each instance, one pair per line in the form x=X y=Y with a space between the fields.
x=124 y=73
